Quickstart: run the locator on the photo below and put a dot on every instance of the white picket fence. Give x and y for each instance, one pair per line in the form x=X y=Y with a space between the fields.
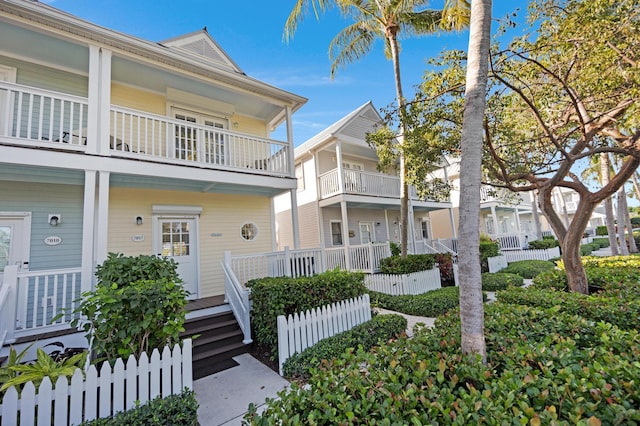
x=414 y=283
x=94 y=395
x=544 y=254
x=302 y=330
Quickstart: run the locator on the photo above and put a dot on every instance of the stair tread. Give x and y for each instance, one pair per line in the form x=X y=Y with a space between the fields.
x=219 y=351
x=209 y=328
x=211 y=316
x=205 y=340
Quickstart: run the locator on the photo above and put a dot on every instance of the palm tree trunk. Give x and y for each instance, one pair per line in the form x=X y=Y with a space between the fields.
x=471 y=304
x=404 y=187
x=536 y=215
x=605 y=172
x=633 y=248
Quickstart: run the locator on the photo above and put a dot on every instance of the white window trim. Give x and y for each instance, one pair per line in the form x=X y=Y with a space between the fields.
x=175 y=209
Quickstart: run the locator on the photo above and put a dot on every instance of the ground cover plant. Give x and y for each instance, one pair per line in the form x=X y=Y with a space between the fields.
x=429 y=304
x=500 y=281
x=529 y=269
x=544 y=366
x=379 y=329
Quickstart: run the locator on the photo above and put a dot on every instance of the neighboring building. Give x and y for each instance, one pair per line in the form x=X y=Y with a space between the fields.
x=342 y=199
x=110 y=143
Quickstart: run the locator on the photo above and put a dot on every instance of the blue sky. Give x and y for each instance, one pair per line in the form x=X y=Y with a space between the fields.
x=251 y=33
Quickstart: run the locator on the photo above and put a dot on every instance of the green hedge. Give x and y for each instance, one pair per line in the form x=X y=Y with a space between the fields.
x=543 y=367
x=500 y=281
x=602 y=230
x=529 y=268
x=430 y=304
x=488 y=248
x=545 y=243
x=623 y=313
x=602 y=242
x=283 y=296
x=420 y=262
x=174 y=410
x=380 y=328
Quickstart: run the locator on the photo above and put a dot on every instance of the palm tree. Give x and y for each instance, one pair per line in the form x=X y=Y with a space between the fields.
x=471 y=305
x=383 y=19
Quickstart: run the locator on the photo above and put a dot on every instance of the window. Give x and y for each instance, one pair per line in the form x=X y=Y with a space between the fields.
x=300 y=176
x=424 y=226
x=366 y=232
x=336 y=233
x=189 y=136
x=249 y=231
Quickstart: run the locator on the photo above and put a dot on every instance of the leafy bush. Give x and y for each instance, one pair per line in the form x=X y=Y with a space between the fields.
x=123 y=270
x=395 y=248
x=380 y=328
x=500 y=281
x=175 y=410
x=136 y=318
x=411 y=263
x=284 y=296
x=587 y=249
x=430 y=304
x=488 y=248
x=602 y=230
x=545 y=243
x=44 y=366
x=543 y=367
x=620 y=312
x=635 y=222
x=445 y=263
x=529 y=268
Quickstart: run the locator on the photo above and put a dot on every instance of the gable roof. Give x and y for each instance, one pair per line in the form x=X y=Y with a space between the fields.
x=366 y=111
x=201 y=46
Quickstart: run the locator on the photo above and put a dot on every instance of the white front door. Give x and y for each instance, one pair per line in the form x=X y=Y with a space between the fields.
x=366 y=232
x=15 y=237
x=178 y=239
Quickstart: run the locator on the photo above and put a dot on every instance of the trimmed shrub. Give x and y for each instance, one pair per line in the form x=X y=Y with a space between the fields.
x=445 y=263
x=545 y=243
x=602 y=230
x=602 y=242
x=500 y=281
x=543 y=367
x=488 y=248
x=411 y=263
x=430 y=304
x=529 y=268
x=283 y=296
x=587 y=249
x=175 y=410
x=380 y=328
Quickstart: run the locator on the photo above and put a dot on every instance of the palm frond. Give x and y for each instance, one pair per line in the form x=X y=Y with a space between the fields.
x=300 y=8
x=351 y=44
x=456 y=15
x=423 y=22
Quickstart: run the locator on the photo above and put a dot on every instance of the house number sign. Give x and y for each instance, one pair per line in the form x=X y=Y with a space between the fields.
x=52 y=240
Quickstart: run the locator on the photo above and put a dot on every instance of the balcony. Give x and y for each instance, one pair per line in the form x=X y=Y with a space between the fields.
x=40 y=118
x=357 y=182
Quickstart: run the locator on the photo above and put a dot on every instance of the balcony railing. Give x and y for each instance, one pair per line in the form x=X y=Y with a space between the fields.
x=42 y=118
x=357 y=182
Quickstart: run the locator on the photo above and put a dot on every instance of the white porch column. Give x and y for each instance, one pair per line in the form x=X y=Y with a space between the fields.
x=494 y=216
x=340 y=171
x=293 y=192
x=104 y=108
x=102 y=222
x=345 y=234
x=454 y=229
x=294 y=218
x=412 y=227
x=88 y=221
x=93 y=113
x=321 y=226
x=386 y=224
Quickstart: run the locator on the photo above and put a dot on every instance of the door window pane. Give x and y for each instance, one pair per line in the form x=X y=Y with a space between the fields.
x=175 y=238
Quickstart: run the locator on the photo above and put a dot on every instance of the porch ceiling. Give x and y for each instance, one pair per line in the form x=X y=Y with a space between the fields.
x=21 y=173
x=36 y=45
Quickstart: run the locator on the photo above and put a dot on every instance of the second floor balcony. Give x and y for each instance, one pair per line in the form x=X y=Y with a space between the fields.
x=358 y=182
x=37 y=118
